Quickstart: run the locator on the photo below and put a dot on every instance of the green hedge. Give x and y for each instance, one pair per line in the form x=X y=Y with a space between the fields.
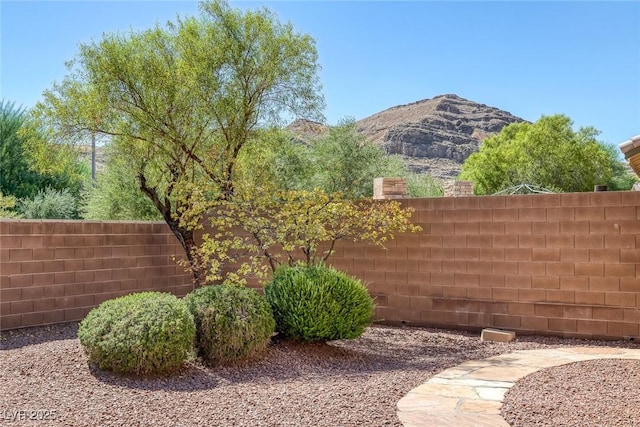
x=318 y=303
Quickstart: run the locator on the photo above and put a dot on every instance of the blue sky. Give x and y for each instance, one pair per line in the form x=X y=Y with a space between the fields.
x=581 y=59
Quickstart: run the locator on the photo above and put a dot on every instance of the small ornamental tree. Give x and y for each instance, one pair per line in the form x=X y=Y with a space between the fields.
x=288 y=227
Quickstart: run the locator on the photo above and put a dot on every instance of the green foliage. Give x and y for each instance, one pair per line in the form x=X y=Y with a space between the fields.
x=291 y=226
x=143 y=333
x=318 y=303
x=423 y=185
x=16 y=178
x=20 y=177
x=182 y=101
x=232 y=322
x=8 y=206
x=547 y=153
x=343 y=160
x=117 y=195
x=622 y=178
x=50 y=204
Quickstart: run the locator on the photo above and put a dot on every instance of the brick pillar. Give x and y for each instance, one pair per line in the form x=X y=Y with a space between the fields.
x=459 y=189
x=389 y=188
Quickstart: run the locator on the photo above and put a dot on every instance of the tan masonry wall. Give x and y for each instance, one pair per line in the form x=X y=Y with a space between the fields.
x=560 y=264
x=56 y=271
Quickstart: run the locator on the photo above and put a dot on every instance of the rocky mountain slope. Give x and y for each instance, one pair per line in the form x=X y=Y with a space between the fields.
x=435 y=135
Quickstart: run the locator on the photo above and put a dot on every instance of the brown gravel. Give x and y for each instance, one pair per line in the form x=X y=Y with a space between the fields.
x=594 y=393
x=342 y=383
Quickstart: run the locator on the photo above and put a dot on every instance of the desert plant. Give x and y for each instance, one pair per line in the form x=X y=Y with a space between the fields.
x=318 y=303
x=143 y=333
x=7 y=207
x=288 y=227
x=183 y=100
x=50 y=204
x=232 y=322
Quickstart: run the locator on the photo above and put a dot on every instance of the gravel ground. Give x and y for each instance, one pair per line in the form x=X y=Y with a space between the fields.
x=343 y=383
x=594 y=393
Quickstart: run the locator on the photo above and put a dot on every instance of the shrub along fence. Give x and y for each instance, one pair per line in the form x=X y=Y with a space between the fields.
x=555 y=264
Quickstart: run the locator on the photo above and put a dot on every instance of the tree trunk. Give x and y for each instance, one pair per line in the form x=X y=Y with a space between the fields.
x=184 y=236
x=188 y=243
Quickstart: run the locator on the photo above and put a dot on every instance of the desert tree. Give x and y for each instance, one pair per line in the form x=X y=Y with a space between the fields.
x=183 y=100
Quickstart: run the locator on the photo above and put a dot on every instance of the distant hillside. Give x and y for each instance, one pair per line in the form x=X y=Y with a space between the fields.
x=435 y=135
x=305 y=129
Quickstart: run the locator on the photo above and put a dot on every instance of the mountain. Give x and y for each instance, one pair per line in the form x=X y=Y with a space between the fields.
x=435 y=135
x=303 y=129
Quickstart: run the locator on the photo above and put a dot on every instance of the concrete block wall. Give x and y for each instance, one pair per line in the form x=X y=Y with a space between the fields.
x=56 y=271
x=559 y=264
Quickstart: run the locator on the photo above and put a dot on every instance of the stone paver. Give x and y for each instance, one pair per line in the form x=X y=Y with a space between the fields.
x=471 y=394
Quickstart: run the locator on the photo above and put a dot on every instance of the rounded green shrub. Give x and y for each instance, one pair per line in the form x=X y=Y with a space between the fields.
x=318 y=303
x=232 y=322
x=143 y=333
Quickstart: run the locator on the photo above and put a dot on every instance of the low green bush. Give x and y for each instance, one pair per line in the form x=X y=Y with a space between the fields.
x=143 y=333
x=318 y=303
x=232 y=322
